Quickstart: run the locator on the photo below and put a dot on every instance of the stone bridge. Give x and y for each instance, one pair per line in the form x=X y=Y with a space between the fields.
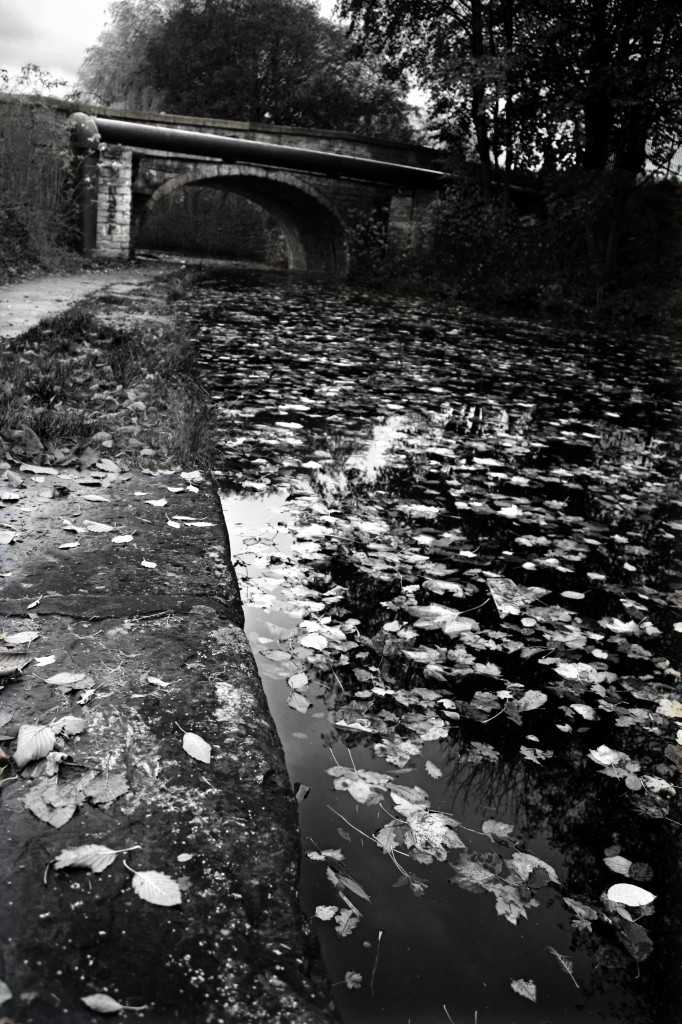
x=316 y=184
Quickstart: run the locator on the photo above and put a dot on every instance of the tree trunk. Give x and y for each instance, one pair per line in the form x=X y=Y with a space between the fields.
x=478 y=95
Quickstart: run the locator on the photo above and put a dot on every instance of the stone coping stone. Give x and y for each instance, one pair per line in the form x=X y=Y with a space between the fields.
x=162 y=650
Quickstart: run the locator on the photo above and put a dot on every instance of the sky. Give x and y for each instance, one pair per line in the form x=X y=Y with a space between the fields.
x=56 y=33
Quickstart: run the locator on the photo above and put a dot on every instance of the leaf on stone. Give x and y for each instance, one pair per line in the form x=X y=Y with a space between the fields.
x=326 y=913
x=92 y=856
x=527 y=989
x=298 y=702
x=25 y=637
x=70 y=680
x=629 y=895
x=157 y=888
x=33 y=743
x=196 y=747
x=12 y=663
x=106 y=788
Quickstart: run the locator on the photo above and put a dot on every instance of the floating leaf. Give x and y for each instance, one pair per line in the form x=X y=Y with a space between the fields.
x=33 y=743
x=621 y=865
x=527 y=989
x=629 y=895
x=196 y=747
x=157 y=888
x=605 y=756
x=298 y=681
x=91 y=856
x=315 y=641
x=432 y=770
x=346 y=922
x=352 y=979
x=100 y=1002
x=298 y=702
x=496 y=829
x=93 y=527
x=326 y=913
x=5 y=992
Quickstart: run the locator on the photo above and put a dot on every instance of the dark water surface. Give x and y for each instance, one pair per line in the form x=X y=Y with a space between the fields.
x=457 y=540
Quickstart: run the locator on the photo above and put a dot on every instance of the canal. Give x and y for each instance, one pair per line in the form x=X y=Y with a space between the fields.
x=457 y=539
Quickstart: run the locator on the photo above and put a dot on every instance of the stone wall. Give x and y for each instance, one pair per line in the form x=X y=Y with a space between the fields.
x=114 y=202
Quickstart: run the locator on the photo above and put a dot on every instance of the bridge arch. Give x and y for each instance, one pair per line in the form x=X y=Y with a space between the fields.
x=314 y=233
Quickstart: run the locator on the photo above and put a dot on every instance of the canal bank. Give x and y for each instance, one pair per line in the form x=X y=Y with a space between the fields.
x=150 y=853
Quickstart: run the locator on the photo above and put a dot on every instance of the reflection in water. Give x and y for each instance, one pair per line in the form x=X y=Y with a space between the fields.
x=454 y=549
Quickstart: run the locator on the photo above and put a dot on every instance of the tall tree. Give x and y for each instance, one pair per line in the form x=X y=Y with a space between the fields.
x=243 y=59
x=590 y=83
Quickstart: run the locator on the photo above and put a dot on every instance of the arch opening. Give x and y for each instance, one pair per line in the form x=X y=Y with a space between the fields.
x=297 y=227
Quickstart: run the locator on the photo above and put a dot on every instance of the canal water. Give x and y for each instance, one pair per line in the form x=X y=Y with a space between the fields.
x=456 y=539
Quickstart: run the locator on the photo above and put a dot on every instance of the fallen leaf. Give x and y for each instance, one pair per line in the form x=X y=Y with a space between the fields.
x=432 y=770
x=7 y=536
x=531 y=700
x=148 y=565
x=106 y=788
x=315 y=641
x=11 y=663
x=5 y=992
x=352 y=979
x=68 y=725
x=33 y=743
x=124 y=538
x=298 y=681
x=196 y=747
x=157 y=888
x=70 y=680
x=496 y=829
x=156 y=502
x=91 y=856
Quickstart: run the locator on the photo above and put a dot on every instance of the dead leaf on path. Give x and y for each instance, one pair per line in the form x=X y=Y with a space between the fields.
x=33 y=743
x=527 y=989
x=196 y=747
x=106 y=788
x=27 y=467
x=156 y=502
x=72 y=544
x=124 y=538
x=68 y=725
x=148 y=565
x=531 y=700
x=157 y=888
x=92 y=856
x=95 y=497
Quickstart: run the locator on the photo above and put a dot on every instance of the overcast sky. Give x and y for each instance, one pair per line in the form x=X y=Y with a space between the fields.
x=55 y=33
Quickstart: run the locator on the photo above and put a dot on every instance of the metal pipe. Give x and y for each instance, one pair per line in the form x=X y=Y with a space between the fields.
x=233 y=150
